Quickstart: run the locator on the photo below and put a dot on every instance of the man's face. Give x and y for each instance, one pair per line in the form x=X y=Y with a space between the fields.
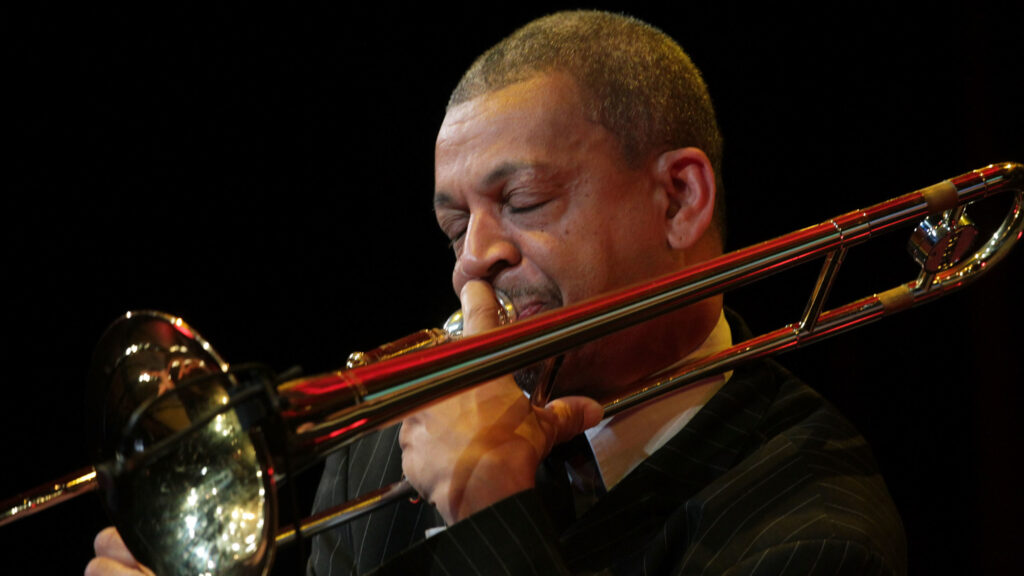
x=538 y=201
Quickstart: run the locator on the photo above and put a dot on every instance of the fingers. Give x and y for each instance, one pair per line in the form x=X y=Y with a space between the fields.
x=479 y=307
x=483 y=445
x=563 y=418
x=113 y=557
x=101 y=566
x=569 y=416
x=108 y=543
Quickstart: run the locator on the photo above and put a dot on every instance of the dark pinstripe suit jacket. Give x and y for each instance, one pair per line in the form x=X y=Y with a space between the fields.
x=766 y=479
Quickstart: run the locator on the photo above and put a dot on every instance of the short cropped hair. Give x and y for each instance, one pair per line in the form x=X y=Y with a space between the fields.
x=636 y=82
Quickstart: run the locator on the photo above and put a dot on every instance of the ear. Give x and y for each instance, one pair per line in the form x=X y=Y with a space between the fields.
x=688 y=180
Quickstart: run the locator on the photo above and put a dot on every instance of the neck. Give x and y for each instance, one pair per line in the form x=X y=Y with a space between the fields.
x=608 y=367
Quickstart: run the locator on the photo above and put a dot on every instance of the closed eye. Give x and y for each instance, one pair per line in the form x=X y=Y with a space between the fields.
x=514 y=209
x=521 y=200
x=453 y=224
x=453 y=242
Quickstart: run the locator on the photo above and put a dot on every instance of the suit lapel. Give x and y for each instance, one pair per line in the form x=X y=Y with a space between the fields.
x=724 y=432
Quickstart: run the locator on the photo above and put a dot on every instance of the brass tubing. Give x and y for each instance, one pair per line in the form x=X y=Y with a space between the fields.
x=376 y=402
x=334 y=408
x=48 y=495
x=326 y=411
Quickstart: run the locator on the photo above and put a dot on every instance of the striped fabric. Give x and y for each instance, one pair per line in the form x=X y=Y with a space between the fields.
x=361 y=545
x=766 y=479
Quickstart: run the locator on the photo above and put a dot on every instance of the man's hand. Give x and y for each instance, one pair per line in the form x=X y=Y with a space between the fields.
x=484 y=445
x=113 y=558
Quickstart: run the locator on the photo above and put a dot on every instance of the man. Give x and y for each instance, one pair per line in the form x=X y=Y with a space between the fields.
x=578 y=156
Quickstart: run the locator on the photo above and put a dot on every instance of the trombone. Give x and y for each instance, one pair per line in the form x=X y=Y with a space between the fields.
x=296 y=422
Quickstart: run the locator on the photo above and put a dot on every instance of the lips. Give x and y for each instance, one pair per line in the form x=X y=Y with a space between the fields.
x=529 y=309
x=531 y=300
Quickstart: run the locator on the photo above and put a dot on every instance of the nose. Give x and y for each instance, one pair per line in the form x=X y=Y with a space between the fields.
x=487 y=249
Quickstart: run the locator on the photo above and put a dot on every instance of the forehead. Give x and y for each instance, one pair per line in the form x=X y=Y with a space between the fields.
x=530 y=121
x=538 y=93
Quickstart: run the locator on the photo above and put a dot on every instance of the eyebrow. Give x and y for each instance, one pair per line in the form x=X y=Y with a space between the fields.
x=443 y=199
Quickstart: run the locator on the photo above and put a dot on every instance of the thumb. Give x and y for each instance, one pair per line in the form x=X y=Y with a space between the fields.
x=571 y=415
x=113 y=557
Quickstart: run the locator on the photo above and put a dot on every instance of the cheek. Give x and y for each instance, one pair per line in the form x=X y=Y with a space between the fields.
x=576 y=259
x=624 y=252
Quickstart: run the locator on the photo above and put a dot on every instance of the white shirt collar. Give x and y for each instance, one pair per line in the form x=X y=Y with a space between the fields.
x=622 y=441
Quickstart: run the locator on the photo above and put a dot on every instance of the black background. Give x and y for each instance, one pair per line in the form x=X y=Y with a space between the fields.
x=267 y=174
